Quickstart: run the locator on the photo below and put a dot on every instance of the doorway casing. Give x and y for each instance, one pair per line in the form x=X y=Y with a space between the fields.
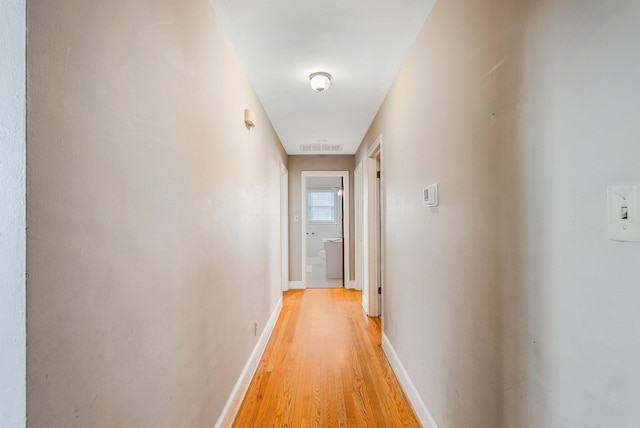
x=358 y=200
x=345 y=220
x=374 y=257
x=284 y=227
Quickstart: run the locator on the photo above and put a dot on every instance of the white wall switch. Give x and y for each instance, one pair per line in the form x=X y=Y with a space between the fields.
x=624 y=222
x=430 y=195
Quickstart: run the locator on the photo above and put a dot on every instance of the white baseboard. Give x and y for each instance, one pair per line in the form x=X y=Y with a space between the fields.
x=296 y=285
x=421 y=409
x=234 y=401
x=299 y=285
x=365 y=303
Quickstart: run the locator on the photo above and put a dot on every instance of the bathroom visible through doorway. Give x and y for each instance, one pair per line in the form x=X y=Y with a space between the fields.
x=324 y=238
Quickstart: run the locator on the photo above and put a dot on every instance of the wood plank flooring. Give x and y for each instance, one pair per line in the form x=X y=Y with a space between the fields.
x=324 y=367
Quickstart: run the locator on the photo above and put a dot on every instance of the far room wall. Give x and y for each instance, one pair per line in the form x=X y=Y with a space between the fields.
x=297 y=164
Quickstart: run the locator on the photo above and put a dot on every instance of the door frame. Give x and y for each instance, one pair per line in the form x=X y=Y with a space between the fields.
x=359 y=226
x=374 y=229
x=345 y=220
x=284 y=227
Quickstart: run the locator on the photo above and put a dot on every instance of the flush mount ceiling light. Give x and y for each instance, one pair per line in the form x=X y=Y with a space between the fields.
x=320 y=81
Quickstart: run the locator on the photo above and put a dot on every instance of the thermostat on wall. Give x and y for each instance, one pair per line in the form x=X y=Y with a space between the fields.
x=430 y=195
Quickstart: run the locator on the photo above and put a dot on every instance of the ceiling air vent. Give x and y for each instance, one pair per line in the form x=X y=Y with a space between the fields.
x=305 y=148
x=322 y=148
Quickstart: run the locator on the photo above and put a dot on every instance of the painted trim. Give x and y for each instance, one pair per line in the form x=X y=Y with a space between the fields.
x=351 y=285
x=374 y=235
x=284 y=227
x=358 y=228
x=296 y=285
x=234 y=401
x=419 y=406
x=13 y=178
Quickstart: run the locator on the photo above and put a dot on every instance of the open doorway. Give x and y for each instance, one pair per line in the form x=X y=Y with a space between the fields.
x=325 y=229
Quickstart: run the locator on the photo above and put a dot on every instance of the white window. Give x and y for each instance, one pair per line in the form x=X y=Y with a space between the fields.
x=321 y=206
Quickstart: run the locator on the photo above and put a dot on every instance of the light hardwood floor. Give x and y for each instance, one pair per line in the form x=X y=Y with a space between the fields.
x=324 y=367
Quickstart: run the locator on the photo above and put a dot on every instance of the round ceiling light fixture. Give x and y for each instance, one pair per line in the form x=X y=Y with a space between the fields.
x=320 y=81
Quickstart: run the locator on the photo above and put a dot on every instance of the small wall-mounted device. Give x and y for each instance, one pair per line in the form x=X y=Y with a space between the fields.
x=430 y=195
x=623 y=205
x=249 y=118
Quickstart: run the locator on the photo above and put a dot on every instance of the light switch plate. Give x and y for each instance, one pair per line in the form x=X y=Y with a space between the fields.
x=624 y=221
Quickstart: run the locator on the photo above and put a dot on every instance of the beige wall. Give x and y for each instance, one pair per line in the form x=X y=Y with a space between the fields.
x=297 y=164
x=507 y=304
x=570 y=321
x=153 y=215
x=440 y=306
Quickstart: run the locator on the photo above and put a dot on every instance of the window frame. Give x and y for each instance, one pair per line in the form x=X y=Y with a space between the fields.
x=310 y=221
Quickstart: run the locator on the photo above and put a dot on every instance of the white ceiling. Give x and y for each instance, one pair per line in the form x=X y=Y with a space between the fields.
x=361 y=43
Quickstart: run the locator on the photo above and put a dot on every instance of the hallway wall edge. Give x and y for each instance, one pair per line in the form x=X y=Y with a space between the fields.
x=242 y=385
x=419 y=406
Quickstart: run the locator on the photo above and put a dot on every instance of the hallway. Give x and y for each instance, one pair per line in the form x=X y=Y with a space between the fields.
x=142 y=267
x=324 y=367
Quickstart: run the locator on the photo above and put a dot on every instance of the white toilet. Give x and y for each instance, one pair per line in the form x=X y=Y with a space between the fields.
x=323 y=257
